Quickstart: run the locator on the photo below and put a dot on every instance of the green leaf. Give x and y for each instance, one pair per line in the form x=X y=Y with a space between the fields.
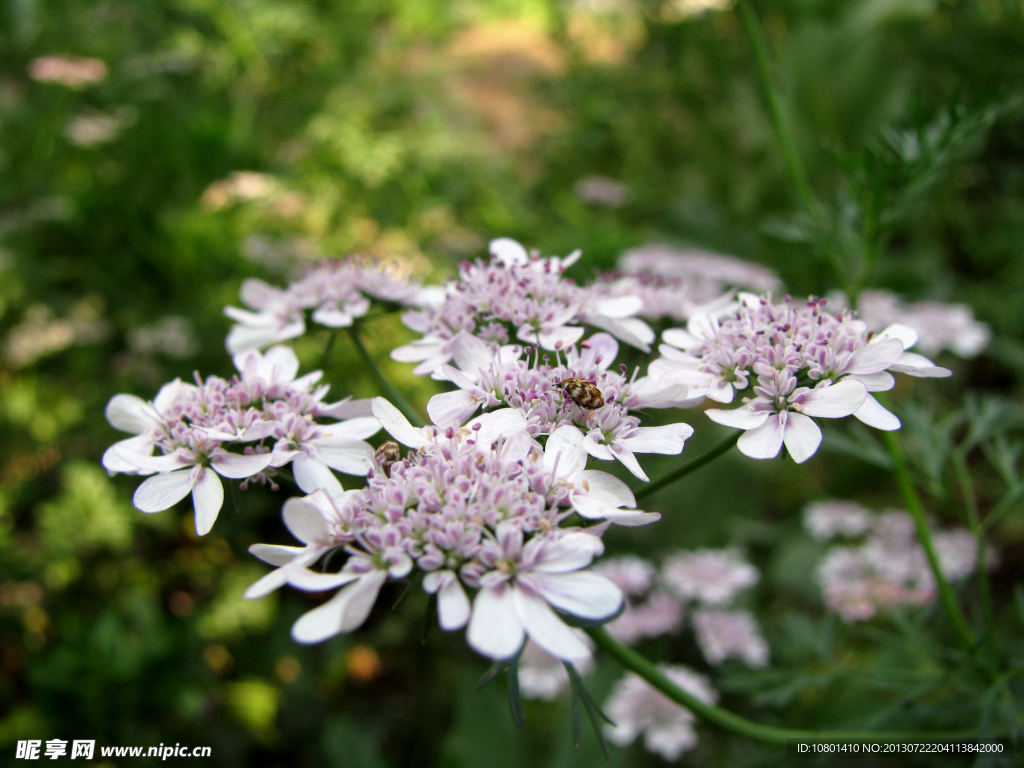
x=581 y=695
x=515 y=698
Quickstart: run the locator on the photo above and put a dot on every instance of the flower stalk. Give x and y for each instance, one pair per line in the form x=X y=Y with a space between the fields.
x=723 y=718
x=916 y=509
x=688 y=467
x=755 y=34
x=389 y=389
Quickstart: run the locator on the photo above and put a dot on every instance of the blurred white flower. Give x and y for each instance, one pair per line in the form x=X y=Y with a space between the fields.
x=636 y=708
x=70 y=71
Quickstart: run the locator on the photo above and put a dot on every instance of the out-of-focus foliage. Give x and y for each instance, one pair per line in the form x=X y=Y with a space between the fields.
x=220 y=140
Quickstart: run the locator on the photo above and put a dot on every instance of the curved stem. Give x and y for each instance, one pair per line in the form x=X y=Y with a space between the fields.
x=916 y=509
x=396 y=397
x=723 y=718
x=755 y=34
x=688 y=467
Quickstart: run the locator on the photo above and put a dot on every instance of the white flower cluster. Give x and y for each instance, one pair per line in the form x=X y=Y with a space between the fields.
x=245 y=428
x=336 y=291
x=939 y=326
x=888 y=567
x=493 y=507
x=798 y=360
x=476 y=507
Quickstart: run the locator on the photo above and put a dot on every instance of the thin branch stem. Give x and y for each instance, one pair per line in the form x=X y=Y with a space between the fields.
x=755 y=34
x=396 y=397
x=723 y=718
x=916 y=509
x=963 y=476
x=688 y=467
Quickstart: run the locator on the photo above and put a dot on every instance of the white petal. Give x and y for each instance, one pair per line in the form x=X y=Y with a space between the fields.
x=332 y=317
x=351 y=429
x=243 y=337
x=280 y=364
x=565 y=447
x=304 y=520
x=619 y=306
x=275 y=554
x=129 y=413
x=702 y=326
x=494 y=627
x=875 y=357
x=802 y=437
x=239 y=466
x=311 y=475
x=875 y=415
x=501 y=423
x=668 y=439
x=267 y=584
x=558 y=337
x=278 y=577
x=740 y=418
x=162 y=491
x=311 y=581
x=345 y=409
x=353 y=457
x=452 y=605
x=914 y=364
x=631 y=330
x=112 y=462
x=584 y=594
x=604 y=487
x=396 y=424
x=508 y=250
x=344 y=612
x=597 y=509
x=569 y=553
x=450 y=408
x=762 y=442
x=597 y=450
x=882 y=381
x=144 y=462
x=169 y=393
x=667 y=391
x=634 y=519
x=471 y=354
x=546 y=629
x=835 y=401
x=208 y=497
x=677 y=337
x=621 y=452
x=421 y=349
x=906 y=334
x=259 y=294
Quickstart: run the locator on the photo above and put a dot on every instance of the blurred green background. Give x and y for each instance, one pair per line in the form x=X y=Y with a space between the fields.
x=202 y=141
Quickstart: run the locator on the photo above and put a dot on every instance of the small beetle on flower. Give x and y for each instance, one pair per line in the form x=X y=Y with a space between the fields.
x=386 y=455
x=582 y=392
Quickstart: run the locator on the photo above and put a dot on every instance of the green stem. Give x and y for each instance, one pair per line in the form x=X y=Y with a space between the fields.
x=328 y=348
x=974 y=523
x=396 y=397
x=916 y=509
x=755 y=34
x=689 y=467
x=723 y=718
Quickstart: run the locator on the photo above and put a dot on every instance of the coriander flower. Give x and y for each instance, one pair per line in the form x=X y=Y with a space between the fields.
x=806 y=362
